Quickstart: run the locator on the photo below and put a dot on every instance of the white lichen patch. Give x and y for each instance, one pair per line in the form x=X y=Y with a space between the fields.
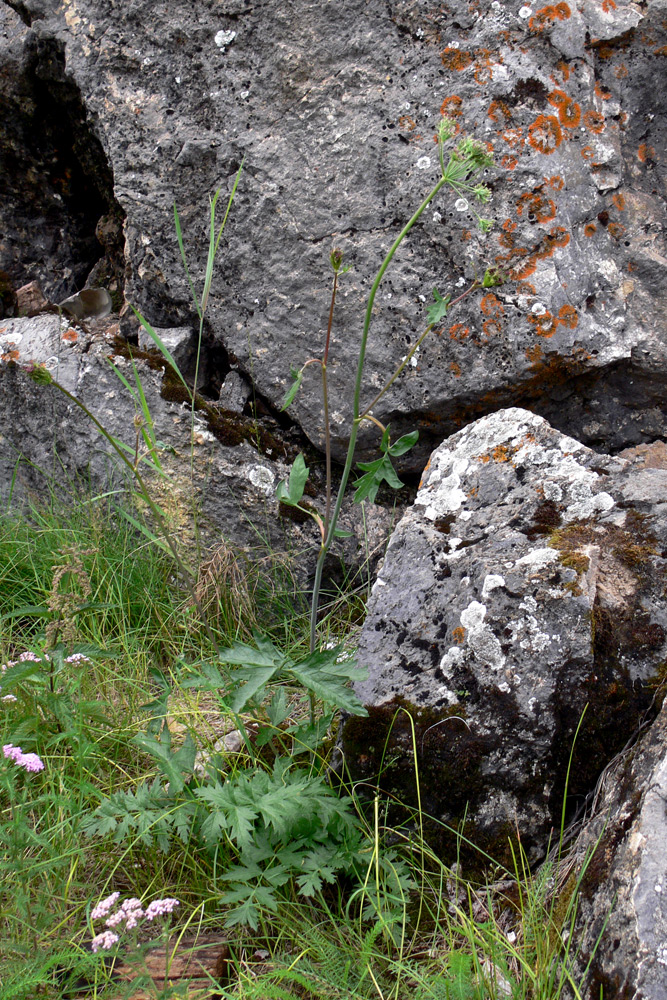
x=224 y=38
x=479 y=637
x=262 y=478
x=491 y=582
x=537 y=559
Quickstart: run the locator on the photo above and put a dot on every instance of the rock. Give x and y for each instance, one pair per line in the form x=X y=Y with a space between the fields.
x=334 y=119
x=622 y=865
x=180 y=342
x=524 y=584
x=30 y=299
x=238 y=461
x=235 y=392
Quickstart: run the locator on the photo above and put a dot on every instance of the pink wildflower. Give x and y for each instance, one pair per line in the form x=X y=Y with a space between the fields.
x=11 y=752
x=102 y=909
x=31 y=762
x=160 y=907
x=105 y=940
x=9 y=697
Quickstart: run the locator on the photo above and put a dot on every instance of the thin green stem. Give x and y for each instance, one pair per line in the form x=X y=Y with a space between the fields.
x=326 y=544
x=325 y=403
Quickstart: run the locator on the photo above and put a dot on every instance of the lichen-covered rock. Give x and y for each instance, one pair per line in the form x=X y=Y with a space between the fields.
x=334 y=113
x=525 y=584
x=238 y=461
x=621 y=927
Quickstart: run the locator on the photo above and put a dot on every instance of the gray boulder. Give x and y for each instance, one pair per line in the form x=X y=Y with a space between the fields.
x=621 y=928
x=525 y=585
x=334 y=114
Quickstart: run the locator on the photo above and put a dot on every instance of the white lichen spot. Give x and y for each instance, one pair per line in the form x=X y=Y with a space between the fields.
x=453 y=45
x=486 y=647
x=452 y=658
x=11 y=338
x=465 y=515
x=528 y=603
x=504 y=687
x=261 y=477
x=525 y=12
x=423 y=163
x=599 y=503
x=552 y=491
x=538 y=309
x=473 y=615
x=491 y=582
x=537 y=559
x=437 y=217
x=224 y=38
x=461 y=205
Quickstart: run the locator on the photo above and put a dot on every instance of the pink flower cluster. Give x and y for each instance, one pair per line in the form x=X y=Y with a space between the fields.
x=29 y=761
x=130 y=912
x=29 y=656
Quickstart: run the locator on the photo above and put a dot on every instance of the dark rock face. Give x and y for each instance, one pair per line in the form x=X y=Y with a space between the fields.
x=622 y=895
x=59 y=220
x=335 y=113
x=525 y=583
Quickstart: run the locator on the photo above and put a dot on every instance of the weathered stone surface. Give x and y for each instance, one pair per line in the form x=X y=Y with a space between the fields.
x=623 y=893
x=335 y=113
x=526 y=582
x=238 y=462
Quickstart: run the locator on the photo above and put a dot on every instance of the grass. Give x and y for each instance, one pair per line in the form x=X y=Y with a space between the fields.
x=402 y=924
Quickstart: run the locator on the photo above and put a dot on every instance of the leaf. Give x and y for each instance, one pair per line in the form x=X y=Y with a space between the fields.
x=404 y=444
x=342 y=533
x=297 y=481
x=327 y=679
x=297 y=376
x=376 y=473
x=164 y=351
x=438 y=310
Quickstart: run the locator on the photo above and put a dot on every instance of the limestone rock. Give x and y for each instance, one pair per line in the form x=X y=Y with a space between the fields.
x=334 y=114
x=623 y=892
x=524 y=584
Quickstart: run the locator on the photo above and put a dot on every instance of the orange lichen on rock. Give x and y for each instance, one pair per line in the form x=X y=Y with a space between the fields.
x=497 y=108
x=547 y=16
x=501 y=453
x=455 y=369
x=534 y=354
x=459 y=331
x=455 y=60
x=589 y=229
x=569 y=113
x=534 y=203
x=568 y=316
x=619 y=201
x=545 y=134
x=71 y=336
x=545 y=324
x=594 y=122
x=509 y=162
x=645 y=152
x=407 y=123
x=492 y=306
x=616 y=229
x=451 y=106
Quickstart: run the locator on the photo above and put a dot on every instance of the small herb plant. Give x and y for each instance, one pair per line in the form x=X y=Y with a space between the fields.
x=458 y=172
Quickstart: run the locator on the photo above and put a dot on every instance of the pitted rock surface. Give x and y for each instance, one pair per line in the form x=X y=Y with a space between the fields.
x=622 y=899
x=334 y=113
x=524 y=584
